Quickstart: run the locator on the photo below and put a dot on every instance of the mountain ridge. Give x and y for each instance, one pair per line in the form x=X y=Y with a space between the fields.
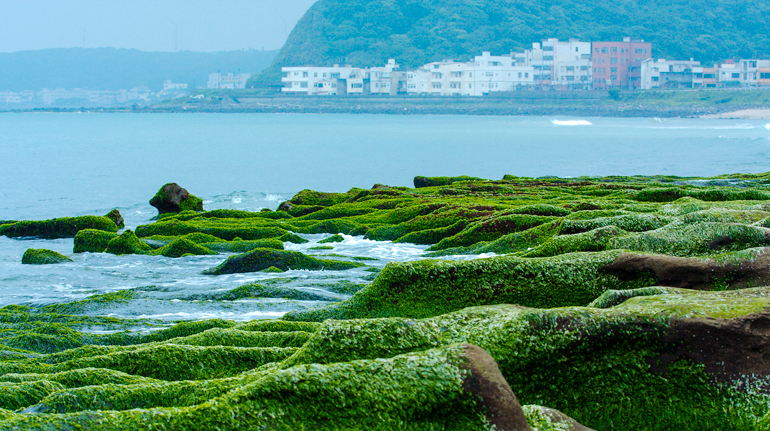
x=415 y=32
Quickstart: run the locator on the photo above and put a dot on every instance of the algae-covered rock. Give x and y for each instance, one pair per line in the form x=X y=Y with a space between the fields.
x=171 y=198
x=420 y=182
x=333 y=238
x=92 y=240
x=127 y=243
x=183 y=247
x=116 y=217
x=429 y=287
x=42 y=256
x=262 y=258
x=273 y=270
x=66 y=227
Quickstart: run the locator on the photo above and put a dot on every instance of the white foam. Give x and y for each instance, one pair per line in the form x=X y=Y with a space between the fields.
x=767 y=126
x=572 y=122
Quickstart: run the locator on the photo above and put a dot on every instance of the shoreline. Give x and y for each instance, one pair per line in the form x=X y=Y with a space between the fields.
x=745 y=114
x=503 y=107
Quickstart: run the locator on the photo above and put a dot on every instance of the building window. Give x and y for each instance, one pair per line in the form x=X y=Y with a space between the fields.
x=613 y=60
x=613 y=70
x=304 y=74
x=604 y=50
x=526 y=74
x=764 y=75
x=519 y=74
x=470 y=85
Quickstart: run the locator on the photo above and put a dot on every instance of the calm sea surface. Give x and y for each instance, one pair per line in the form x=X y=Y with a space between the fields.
x=54 y=165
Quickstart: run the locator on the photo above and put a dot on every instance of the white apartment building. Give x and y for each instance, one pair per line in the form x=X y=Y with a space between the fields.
x=749 y=70
x=168 y=85
x=669 y=73
x=485 y=74
x=230 y=81
x=561 y=65
x=320 y=80
x=340 y=80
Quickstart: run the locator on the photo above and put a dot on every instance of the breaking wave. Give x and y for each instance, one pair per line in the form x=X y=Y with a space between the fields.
x=571 y=122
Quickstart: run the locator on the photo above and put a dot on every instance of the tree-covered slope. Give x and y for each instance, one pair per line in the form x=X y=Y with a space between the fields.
x=414 y=32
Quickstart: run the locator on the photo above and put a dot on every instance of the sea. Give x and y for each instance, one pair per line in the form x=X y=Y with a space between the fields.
x=72 y=164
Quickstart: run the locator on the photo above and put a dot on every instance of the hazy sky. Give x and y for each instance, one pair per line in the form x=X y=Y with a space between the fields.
x=148 y=25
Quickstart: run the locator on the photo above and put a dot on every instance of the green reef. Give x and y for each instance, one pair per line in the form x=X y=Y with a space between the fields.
x=614 y=303
x=43 y=257
x=64 y=227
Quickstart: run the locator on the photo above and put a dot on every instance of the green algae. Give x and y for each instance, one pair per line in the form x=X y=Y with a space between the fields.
x=428 y=288
x=127 y=243
x=333 y=238
x=41 y=256
x=263 y=258
x=65 y=227
x=92 y=240
x=183 y=247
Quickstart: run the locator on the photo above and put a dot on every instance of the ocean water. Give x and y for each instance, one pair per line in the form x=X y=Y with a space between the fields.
x=54 y=165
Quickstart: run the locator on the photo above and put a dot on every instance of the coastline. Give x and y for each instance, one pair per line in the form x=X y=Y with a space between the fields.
x=745 y=114
x=429 y=106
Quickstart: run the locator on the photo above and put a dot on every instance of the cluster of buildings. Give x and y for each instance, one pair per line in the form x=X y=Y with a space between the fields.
x=77 y=96
x=91 y=98
x=550 y=65
x=691 y=74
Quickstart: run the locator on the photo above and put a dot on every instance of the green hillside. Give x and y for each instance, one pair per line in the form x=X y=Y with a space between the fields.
x=415 y=32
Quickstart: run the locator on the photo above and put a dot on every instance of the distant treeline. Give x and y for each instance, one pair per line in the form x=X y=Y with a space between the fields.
x=114 y=69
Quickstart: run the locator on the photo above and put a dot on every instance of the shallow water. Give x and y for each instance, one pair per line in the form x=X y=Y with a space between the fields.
x=54 y=165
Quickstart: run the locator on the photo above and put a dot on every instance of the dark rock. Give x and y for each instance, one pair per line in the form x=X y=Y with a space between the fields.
x=285 y=206
x=729 y=349
x=693 y=273
x=42 y=256
x=171 y=198
x=486 y=385
x=115 y=216
x=264 y=258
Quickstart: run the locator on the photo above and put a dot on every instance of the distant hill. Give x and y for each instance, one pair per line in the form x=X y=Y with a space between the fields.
x=113 y=69
x=415 y=32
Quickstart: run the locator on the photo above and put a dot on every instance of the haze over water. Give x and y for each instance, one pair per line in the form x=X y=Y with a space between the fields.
x=54 y=165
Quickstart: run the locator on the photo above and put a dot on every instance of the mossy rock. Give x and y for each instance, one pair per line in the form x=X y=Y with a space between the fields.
x=428 y=288
x=42 y=256
x=243 y=246
x=127 y=243
x=333 y=238
x=183 y=247
x=272 y=269
x=92 y=240
x=116 y=217
x=420 y=181
x=171 y=198
x=66 y=227
x=262 y=258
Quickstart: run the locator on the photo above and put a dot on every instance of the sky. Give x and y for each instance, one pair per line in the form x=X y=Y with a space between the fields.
x=148 y=25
